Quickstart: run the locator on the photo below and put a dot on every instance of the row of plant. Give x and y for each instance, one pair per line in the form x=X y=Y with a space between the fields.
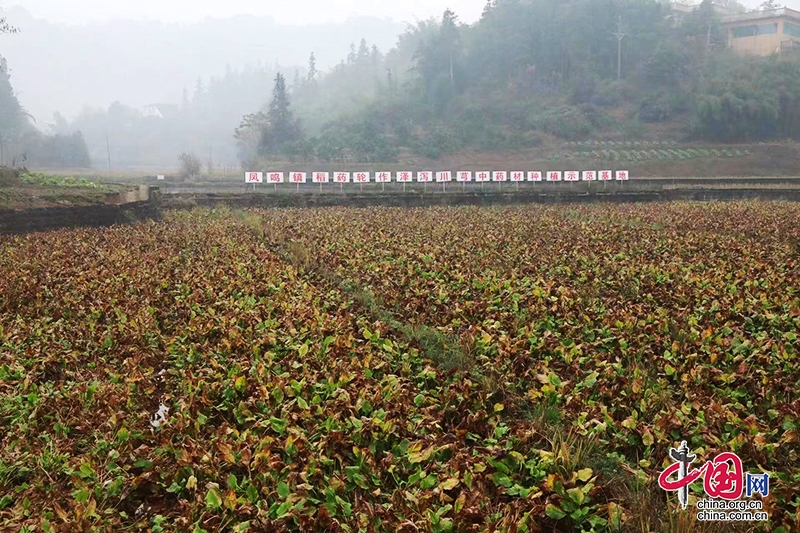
x=650 y=155
x=618 y=144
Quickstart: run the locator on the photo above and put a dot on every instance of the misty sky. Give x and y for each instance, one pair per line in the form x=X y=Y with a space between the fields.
x=283 y=11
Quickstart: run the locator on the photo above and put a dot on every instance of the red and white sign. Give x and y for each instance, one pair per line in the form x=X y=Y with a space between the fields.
x=589 y=175
x=535 y=175
x=605 y=175
x=341 y=177
x=622 y=175
x=483 y=175
x=500 y=175
x=321 y=177
x=464 y=176
x=404 y=177
x=383 y=177
x=443 y=176
x=298 y=177
x=249 y=177
x=572 y=175
x=517 y=176
x=275 y=177
x=424 y=176
x=361 y=177
x=554 y=175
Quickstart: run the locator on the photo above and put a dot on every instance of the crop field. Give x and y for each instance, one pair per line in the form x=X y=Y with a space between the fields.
x=670 y=154
x=441 y=369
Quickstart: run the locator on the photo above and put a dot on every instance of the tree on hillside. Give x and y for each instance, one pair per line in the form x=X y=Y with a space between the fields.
x=284 y=126
x=311 y=77
x=5 y=27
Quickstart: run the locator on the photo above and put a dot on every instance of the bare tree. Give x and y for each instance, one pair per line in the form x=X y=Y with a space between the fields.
x=190 y=164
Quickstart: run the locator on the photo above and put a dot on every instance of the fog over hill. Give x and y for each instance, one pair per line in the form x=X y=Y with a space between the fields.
x=57 y=67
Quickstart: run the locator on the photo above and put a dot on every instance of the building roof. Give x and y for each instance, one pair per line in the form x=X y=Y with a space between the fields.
x=760 y=15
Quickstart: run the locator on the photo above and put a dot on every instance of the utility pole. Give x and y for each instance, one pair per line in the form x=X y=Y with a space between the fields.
x=108 y=151
x=619 y=34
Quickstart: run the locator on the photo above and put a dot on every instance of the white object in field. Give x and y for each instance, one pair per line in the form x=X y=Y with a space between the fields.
x=605 y=175
x=253 y=177
x=483 y=175
x=554 y=175
x=404 y=176
x=275 y=177
x=589 y=175
x=298 y=177
x=571 y=175
x=383 y=177
x=443 y=176
x=622 y=175
x=517 y=176
x=500 y=175
x=464 y=176
x=341 y=177
x=160 y=416
x=321 y=177
x=535 y=175
x=361 y=177
x=160 y=177
x=424 y=176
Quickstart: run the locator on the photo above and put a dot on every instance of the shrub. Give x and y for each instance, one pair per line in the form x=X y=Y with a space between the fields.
x=190 y=164
x=9 y=177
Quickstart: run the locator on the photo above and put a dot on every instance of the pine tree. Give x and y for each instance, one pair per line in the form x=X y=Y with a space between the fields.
x=351 y=56
x=284 y=127
x=363 y=52
x=312 y=69
x=185 y=103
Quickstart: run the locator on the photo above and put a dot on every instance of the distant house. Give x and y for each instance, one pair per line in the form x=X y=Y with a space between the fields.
x=679 y=11
x=763 y=33
x=160 y=110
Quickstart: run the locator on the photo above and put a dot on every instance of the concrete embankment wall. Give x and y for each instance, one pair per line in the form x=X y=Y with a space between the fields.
x=473 y=198
x=29 y=220
x=25 y=221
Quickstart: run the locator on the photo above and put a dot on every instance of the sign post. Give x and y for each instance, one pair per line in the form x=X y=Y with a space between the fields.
x=382 y=178
x=275 y=178
x=443 y=177
x=254 y=177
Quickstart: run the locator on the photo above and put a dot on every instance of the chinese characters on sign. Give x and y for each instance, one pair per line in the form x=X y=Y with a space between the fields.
x=442 y=176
